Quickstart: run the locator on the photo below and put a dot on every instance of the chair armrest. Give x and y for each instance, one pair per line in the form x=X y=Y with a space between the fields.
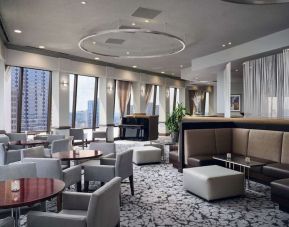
x=75 y=200
x=46 y=219
x=102 y=173
x=72 y=175
x=107 y=161
x=111 y=155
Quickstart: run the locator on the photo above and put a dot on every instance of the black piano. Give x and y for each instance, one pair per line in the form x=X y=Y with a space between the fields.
x=139 y=127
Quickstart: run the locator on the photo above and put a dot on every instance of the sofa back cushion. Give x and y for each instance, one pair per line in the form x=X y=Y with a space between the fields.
x=265 y=144
x=285 y=149
x=240 y=141
x=223 y=140
x=199 y=142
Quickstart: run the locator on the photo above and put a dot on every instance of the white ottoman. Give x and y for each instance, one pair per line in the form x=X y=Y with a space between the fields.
x=146 y=154
x=213 y=182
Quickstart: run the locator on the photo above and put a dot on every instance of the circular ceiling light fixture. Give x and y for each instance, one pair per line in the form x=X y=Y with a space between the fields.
x=132 y=43
x=257 y=2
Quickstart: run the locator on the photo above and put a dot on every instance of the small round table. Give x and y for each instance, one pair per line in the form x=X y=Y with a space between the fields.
x=32 y=190
x=74 y=155
x=29 y=143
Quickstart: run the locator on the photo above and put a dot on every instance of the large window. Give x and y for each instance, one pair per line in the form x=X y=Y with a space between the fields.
x=174 y=98
x=154 y=101
x=30 y=99
x=83 y=101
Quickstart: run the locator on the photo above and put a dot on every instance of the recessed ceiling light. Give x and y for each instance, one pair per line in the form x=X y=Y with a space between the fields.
x=134 y=66
x=17 y=31
x=93 y=42
x=83 y=2
x=133 y=24
x=229 y=43
x=197 y=78
x=127 y=52
x=223 y=45
x=236 y=70
x=147 y=21
x=96 y=58
x=181 y=66
x=162 y=72
x=173 y=74
x=41 y=47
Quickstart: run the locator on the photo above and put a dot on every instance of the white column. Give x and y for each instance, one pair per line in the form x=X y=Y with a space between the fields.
x=2 y=95
x=106 y=101
x=60 y=99
x=220 y=93
x=164 y=108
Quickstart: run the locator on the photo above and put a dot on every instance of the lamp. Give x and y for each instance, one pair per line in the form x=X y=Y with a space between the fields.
x=64 y=84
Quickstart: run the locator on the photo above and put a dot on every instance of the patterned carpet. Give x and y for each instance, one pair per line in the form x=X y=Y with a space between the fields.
x=161 y=201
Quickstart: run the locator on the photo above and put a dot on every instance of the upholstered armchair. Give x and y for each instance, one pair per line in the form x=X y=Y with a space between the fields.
x=17 y=171
x=16 y=137
x=8 y=156
x=35 y=152
x=51 y=168
x=4 y=139
x=112 y=165
x=105 y=148
x=78 y=134
x=7 y=222
x=101 y=208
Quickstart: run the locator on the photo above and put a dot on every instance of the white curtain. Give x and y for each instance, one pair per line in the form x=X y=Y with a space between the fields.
x=266 y=82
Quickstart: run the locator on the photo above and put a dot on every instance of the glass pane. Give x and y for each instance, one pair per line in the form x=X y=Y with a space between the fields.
x=207 y=101
x=117 y=114
x=84 y=102
x=35 y=100
x=97 y=110
x=71 y=87
x=15 y=77
x=131 y=101
x=178 y=97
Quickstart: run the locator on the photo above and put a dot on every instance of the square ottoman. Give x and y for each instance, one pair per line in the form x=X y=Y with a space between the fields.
x=213 y=182
x=146 y=154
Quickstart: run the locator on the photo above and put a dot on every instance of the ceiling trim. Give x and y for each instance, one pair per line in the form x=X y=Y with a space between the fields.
x=84 y=60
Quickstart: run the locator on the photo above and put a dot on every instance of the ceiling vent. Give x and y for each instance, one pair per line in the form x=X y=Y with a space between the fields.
x=115 y=41
x=146 y=13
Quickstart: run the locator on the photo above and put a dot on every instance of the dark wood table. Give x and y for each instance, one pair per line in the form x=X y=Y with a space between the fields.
x=29 y=143
x=32 y=190
x=74 y=155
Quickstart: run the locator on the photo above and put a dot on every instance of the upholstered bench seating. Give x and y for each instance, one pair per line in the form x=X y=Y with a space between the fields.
x=280 y=193
x=213 y=182
x=146 y=154
x=277 y=170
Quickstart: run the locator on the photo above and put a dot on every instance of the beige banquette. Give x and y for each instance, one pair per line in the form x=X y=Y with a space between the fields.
x=270 y=147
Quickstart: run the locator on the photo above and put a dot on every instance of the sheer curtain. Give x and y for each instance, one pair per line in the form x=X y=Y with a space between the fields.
x=266 y=87
x=148 y=92
x=124 y=89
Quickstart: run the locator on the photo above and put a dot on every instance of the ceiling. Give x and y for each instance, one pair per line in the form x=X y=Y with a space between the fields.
x=203 y=24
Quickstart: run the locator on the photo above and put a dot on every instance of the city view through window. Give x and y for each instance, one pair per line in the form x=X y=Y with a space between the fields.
x=35 y=98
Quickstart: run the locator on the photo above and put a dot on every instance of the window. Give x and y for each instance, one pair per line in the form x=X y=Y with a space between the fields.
x=157 y=101
x=272 y=107
x=207 y=103
x=117 y=115
x=30 y=99
x=149 y=108
x=154 y=101
x=83 y=101
x=174 y=98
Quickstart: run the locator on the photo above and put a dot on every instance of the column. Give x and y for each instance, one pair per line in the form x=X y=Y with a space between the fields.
x=164 y=108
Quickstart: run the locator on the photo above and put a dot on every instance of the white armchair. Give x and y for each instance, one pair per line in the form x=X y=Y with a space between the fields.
x=101 y=208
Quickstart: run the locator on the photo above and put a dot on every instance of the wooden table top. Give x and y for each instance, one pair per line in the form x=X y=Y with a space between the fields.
x=77 y=155
x=32 y=190
x=29 y=142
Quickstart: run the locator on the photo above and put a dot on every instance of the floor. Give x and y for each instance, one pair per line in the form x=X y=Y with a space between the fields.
x=161 y=201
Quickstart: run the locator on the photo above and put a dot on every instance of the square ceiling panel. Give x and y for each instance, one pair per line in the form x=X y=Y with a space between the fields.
x=115 y=41
x=146 y=13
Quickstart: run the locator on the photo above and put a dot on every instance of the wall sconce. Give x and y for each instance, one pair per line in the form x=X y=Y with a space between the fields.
x=64 y=84
x=109 y=88
x=168 y=93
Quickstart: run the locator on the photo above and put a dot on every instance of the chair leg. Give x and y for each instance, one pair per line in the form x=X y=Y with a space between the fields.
x=131 y=184
x=78 y=186
x=86 y=184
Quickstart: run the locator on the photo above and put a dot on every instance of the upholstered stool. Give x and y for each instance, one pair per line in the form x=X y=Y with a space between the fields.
x=146 y=154
x=213 y=182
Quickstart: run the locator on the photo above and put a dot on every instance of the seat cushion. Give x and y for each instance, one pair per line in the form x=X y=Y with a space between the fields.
x=280 y=188
x=74 y=212
x=277 y=170
x=265 y=144
x=201 y=160
x=211 y=182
